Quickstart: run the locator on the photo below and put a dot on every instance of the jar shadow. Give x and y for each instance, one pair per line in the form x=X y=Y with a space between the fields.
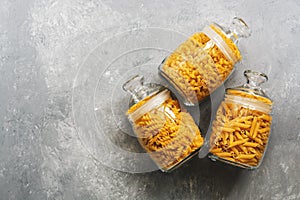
x=195 y=180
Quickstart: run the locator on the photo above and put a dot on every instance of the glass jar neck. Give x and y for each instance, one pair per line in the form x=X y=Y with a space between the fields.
x=138 y=90
x=253 y=104
x=254 y=80
x=252 y=87
x=157 y=100
x=236 y=30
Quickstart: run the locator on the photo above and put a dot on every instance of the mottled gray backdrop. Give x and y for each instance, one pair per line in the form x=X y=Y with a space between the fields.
x=59 y=68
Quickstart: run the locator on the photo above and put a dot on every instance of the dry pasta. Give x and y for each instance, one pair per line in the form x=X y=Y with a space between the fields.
x=168 y=133
x=246 y=94
x=197 y=67
x=240 y=134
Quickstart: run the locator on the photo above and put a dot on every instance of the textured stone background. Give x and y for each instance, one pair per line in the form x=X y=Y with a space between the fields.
x=45 y=46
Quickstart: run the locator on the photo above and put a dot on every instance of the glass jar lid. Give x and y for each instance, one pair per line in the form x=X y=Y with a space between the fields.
x=254 y=80
x=251 y=94
x=237 y=30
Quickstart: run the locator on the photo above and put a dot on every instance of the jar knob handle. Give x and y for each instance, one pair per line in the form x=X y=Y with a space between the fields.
x=239 y=28
x=255 y=79
x=138 y=90
x=135 y=87
x=133 y=83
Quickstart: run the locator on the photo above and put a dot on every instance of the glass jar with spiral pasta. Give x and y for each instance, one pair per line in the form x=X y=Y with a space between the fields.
x=164 y=129
x=241 y=129
x=204 y=61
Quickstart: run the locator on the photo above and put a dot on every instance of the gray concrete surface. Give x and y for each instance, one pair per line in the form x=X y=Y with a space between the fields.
x=61 y=66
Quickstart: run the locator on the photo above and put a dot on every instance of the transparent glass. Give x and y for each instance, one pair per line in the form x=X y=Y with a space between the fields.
x=166 y=131
x=241 y=129
x=204 y=61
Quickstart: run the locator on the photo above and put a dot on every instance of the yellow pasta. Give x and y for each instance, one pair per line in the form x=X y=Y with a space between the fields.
x=236 y=143
x=263 y=130
x=229 y=158
x=251 y=144
x=224 y=154
x=242 y=136
x=226 y=129
x=217 y=150
x=259 y=141
x=255 y=130
x=197 y=68
x=225 y=136
x=236 y=151
x=244 y=149
x=238 y=135
x=137 y=105
x=248 y=95
x=231 y=138
x=253 y=125
x=246 y=156
x=229 y=42
x=252 y=150
x=168 y=133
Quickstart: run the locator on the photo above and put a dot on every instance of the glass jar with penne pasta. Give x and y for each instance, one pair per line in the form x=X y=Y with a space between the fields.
x=241 y=129
x=204 y=61
x=165 y=130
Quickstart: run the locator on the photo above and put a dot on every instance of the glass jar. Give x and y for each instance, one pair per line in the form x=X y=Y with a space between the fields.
x=241 y=129
x=204 y=61
x=166 y=131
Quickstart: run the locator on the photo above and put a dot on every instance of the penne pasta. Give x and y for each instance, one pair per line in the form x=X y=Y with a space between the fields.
x=263 y=130
x=229 y=158
x=253 y=125
x=265 y=117
x=259 y=141
x=246 y=156
x=241 y=125
x=243 y=135
x=256 y=130
x=224 y=154
x=231 y=138
x=227 y=129
x=238 y=135
x=244 y=149
x=216 y=150
x=236 y=143
x=236 y=151
x=250 y=144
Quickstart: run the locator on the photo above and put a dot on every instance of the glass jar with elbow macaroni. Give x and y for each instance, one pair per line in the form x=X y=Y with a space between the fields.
x=204 y=61
x=241 y=129
x=165 y=130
